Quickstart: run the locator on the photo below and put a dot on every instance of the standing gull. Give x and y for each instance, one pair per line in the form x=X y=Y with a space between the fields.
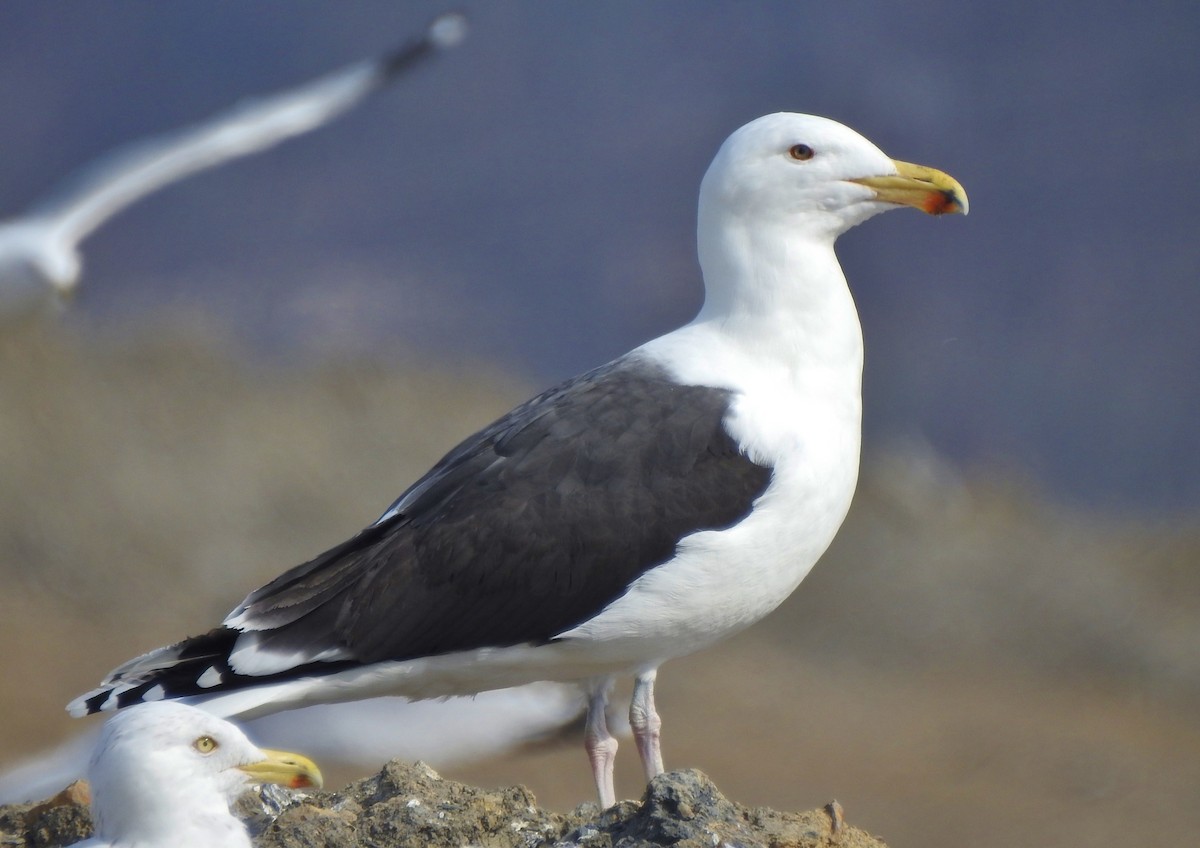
x=635 y=513
x=165 y=774
x=39 y=252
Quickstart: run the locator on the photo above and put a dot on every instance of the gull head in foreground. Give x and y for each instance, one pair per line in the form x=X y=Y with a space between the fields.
x=165 y=774
x=638 y=512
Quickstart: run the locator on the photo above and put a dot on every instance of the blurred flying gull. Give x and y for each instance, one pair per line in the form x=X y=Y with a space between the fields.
x=40 y=262
x=166 y=773
x=636 y=513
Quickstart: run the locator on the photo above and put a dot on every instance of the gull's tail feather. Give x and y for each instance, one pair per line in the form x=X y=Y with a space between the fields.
x=196 y=670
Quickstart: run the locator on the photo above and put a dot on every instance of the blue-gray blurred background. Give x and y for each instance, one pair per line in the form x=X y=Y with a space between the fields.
x=1003 y=644
x=531 y=200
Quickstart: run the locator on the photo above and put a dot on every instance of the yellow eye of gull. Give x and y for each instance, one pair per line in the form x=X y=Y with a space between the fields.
x=205 y=744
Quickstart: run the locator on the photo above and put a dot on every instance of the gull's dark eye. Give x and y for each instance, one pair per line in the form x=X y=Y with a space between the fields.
x=205 y=744
x=801 y=152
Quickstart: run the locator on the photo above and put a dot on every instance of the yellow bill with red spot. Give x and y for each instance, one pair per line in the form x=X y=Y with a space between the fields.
x=919 y=186
x=295 y=771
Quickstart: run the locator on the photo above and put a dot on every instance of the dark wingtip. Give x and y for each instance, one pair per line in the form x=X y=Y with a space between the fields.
x=445 y=31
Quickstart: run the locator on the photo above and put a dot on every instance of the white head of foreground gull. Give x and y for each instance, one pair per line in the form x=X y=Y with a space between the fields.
x=165 y=774
x=39 y=252
x=635 y=513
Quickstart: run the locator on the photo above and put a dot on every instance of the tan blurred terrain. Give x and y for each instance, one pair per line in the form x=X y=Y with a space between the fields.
x=969 y=665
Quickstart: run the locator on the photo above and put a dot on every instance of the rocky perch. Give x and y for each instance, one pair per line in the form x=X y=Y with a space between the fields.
x=411 y=805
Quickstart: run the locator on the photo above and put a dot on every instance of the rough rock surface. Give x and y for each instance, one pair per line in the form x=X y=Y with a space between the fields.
x=410 y=805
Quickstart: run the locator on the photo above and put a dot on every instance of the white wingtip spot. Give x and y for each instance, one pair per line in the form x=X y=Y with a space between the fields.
x=448 y=30
x=110 y=703
x=154 y=693
x=211 y=677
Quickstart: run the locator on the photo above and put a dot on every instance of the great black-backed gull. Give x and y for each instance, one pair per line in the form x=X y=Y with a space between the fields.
x=635 y=513
x=39 y=251
x=166 y=773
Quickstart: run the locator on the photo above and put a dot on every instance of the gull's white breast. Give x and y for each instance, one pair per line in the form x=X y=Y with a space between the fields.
x=804 y=423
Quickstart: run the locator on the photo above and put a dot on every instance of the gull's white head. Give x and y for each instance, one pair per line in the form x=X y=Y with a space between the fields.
x=816 y=177
x=165 y=773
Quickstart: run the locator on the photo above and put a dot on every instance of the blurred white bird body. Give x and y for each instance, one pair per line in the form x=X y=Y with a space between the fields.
x=359 y=734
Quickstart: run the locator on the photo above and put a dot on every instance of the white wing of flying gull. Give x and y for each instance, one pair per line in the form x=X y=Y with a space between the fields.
x=39 y=251
x=635 y=513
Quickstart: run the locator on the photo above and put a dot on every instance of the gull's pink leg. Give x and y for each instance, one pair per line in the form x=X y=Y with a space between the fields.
x=600 y=744
x=646 y=724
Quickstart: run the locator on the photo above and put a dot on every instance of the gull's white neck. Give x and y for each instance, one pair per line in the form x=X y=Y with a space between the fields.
x=776 y=304
x=779 y=294
x=179 y=818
